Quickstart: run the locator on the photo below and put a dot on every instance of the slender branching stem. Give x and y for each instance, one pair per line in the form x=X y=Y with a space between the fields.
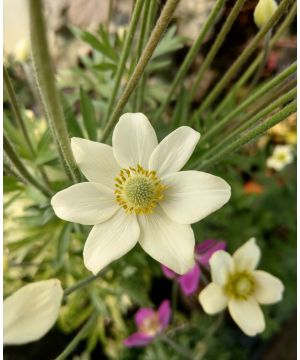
x=156 y=35
x=46 y=83
x=192 y=54
x=79 y=336
x=234 y=69
x=249 y=135
x=255 y=63
x=14 y=160
x=179 y=349
x=250 y=100
x=216 y=45
x=124 y=56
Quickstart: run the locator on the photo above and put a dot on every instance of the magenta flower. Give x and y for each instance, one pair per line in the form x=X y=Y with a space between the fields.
x=189 y=282
x=150 y=323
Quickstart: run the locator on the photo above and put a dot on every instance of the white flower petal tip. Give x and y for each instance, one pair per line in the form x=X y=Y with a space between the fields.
x=221 y=265
x=268 y=288
x=110 y=240
x=213 y=299
x=31 y=311
x=134 y=140
x=192 y=195
x=174 y=151
x=85 y=203
x=247 y=256
x=247 y=315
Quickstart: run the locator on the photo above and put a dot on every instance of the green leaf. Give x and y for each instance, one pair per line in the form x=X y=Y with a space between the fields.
x=74 y=128
x=169 y=43
x=88 y=114
x=10 y=183
x=45 y=153
x=63 y=244
x=105 y=67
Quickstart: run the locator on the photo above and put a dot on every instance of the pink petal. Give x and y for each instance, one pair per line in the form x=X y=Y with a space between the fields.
x=143 y=314
x=189 y=282
x=138 y=339
x=170 y=274
x=207 y=248
x=164 y=313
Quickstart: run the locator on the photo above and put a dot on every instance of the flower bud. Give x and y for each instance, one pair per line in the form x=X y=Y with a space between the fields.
x=264 y=11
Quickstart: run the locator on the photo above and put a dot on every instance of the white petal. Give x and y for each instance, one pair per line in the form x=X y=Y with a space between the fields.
x=248 y=316
x=221 y=266
x=169 y=243
x=247 y=256
x=268 y=288
x=110 y=240
x=86 y=203
x=174 y=150
x=31 y=311
x=192 y=195
x=213 y=299
x=134 y=140
x=96 y=161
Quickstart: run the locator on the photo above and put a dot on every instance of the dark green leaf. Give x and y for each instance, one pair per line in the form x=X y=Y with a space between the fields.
x=88 y=114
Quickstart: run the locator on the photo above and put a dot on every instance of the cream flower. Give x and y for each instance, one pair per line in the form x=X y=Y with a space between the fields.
x=31 y=311
x=137 y=194
x=264 y=11
x=236 y=284
x=282 y=156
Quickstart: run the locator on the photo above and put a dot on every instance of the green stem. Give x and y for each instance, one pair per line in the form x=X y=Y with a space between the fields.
x=233 y=70
x=83 y=282
x=149 y=23
x=251 y=99
x=174 y=297
x=179 y=349
x=141 y=43
x=217 y=44
x=251 y=134
x=251 y=121
x=46 y=83
x=80 y=335
x=192 y=54
x=156 y=35
x=14 y=160
x=15 y=107
x=248 y=73
x=124 y=56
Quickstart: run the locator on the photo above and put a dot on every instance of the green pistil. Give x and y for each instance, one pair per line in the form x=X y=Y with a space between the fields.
x=140 y=191
x=240 y=286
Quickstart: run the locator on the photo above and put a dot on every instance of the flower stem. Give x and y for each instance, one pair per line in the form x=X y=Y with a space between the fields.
x=156 y=35
x=174 y=297
x=14 y=160
x=184 y=352
x=46 y=84
x=80 y=335
x=124 y=56
x=192 y=54
x=247 y=124
x=250 y=100
x=83 y=282
x=251 y=134
x=233 y=70
x=217 y=44
x=248 y=73
x=15 y=107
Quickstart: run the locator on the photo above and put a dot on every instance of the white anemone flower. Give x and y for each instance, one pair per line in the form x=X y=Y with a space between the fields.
x=31 y=311
x=282 y=156
x=136 y=194
x=236 y=284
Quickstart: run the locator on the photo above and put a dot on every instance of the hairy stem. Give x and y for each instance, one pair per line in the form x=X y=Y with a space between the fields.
x=156 y=35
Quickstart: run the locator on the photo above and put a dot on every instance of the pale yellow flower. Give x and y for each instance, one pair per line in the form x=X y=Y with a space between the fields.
x=264 y=11
x=282 y=156
x=237 y=284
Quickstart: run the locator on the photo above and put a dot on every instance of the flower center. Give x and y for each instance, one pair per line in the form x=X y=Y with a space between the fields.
x=151 y=325
x=240 y=285
x=281 y=157
x=138 y=191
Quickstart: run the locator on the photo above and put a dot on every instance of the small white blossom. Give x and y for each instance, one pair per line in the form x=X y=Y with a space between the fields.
x=31 y=311
x=237 y=284
x=137 y=194
x=283 y=155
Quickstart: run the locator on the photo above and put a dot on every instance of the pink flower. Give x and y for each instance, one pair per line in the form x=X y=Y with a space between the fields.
x=189 y=282
x=150 y=323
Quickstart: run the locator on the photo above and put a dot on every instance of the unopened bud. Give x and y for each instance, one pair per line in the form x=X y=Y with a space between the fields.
x=264 y=11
